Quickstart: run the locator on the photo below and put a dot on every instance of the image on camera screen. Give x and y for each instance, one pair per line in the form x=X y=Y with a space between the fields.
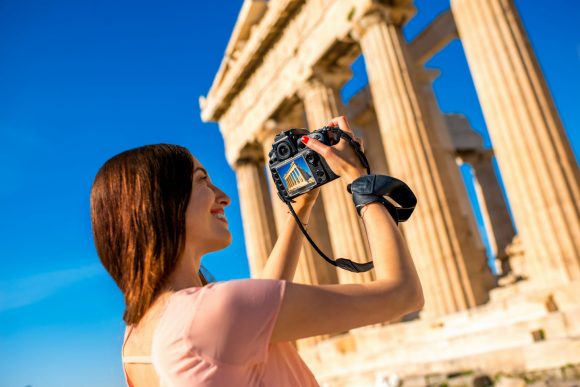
x=296 y=175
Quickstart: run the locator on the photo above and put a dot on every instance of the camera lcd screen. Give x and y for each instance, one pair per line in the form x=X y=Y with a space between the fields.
x=296 y=175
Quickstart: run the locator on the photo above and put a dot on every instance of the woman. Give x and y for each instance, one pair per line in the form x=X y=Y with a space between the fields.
x=155 y=213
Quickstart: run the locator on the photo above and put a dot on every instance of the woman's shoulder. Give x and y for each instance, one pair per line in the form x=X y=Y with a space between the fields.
x=229 y=321
x=219 y=298
x=216 y=296
x=226 y=287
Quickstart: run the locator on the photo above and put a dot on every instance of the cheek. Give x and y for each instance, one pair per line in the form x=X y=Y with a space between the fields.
x=198 y=210
x=193 y=216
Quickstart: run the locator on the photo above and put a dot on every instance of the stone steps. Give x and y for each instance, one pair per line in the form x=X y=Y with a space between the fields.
x=525 y=331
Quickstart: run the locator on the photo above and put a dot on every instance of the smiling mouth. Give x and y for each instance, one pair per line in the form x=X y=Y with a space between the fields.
x=221 y=217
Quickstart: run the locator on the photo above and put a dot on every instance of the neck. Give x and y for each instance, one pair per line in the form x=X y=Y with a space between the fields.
x=186 y=274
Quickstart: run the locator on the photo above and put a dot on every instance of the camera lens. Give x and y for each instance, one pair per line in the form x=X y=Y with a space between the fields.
x=283 y=150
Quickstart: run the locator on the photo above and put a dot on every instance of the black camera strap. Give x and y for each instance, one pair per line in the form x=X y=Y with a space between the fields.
x=343 y=263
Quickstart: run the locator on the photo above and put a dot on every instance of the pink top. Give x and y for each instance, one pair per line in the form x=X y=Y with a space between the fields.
x=219 y=335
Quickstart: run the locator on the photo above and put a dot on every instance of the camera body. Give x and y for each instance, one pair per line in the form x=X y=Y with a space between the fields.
x=295 y=168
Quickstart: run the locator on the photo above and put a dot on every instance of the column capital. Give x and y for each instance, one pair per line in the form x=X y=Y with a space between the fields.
x=322 y=77
x=397 y=13
x=251 y=153
x=476 y=156
x=291 y=118
x=427 y=75
x=268 y=130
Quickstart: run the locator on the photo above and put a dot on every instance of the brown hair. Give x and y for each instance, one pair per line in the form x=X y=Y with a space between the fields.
x=138 y=203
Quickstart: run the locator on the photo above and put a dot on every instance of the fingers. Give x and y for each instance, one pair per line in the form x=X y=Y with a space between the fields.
x=317 y=146
x=342 y=123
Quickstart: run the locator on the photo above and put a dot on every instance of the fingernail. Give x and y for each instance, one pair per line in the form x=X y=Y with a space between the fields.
x=305 y=139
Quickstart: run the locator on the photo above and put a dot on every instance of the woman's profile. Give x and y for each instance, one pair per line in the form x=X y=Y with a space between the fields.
x=155 y=213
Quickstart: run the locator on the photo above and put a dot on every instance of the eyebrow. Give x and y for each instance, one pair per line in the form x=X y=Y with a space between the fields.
x=200 y=169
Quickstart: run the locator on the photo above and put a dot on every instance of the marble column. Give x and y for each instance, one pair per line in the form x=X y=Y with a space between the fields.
x=256 y=208
x=454 y=274
x=347 y=235
x=439 y=124
x=496 y=218
x=361 y=114
x=539 y=170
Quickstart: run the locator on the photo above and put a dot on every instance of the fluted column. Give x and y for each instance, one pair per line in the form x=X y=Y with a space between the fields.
x=361 y=114
x=539 y=171
x=256 y=208
x=496 y=218
x=439 y=125
x=455 y=276
x=347 y=235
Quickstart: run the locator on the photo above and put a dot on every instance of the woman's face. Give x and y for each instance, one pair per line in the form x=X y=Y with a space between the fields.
x=205 y=225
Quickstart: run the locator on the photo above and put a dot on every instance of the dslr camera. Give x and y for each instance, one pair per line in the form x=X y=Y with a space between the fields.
x=295 y=168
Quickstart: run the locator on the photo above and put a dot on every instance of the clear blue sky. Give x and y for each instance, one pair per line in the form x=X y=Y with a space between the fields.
x=83 y=80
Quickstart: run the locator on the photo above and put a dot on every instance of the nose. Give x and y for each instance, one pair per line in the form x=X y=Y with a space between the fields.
x=222 y=198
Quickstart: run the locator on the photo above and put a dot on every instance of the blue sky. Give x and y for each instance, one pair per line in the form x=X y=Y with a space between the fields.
x=83 y=80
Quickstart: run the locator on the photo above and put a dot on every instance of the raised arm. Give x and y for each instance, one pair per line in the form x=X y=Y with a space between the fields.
x=314 y=310
x=283 y=259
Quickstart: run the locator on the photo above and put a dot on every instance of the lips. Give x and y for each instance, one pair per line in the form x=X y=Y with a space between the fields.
x=219 y=215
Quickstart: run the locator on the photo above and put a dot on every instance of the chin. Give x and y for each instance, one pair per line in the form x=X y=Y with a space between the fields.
x=222 y=243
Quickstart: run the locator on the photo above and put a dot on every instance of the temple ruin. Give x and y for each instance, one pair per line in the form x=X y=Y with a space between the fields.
x=284 y=66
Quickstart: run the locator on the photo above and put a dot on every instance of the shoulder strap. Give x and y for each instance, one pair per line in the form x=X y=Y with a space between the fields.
x=132 y=359
x=137 y=359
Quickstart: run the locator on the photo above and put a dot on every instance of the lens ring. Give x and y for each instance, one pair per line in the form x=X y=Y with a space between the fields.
x=283 y=150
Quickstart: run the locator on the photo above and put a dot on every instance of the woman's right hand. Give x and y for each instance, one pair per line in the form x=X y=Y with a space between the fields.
x=341 y=158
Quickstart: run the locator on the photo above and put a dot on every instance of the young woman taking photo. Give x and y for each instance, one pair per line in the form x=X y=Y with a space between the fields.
x=155 y=213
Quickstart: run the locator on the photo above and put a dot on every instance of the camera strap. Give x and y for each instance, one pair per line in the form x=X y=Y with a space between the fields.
x=374 y=188
x=343 y=263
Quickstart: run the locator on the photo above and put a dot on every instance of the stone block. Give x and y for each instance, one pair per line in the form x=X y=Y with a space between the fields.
x=507 y=381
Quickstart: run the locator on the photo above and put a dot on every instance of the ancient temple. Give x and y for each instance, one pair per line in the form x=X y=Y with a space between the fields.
x=284 y=66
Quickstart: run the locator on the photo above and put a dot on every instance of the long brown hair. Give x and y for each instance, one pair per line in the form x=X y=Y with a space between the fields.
x=138 y=203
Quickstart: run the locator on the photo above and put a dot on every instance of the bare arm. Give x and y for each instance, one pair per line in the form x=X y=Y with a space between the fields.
x=314 y=310
x=283 y=259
